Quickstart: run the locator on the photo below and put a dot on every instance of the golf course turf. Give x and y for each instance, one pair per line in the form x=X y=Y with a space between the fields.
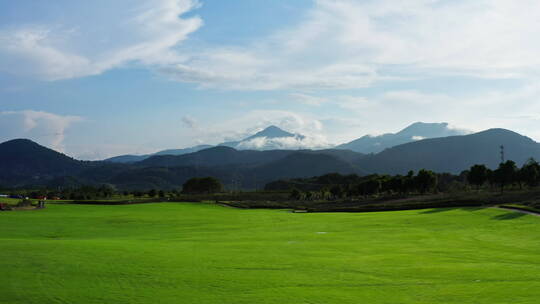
x=203 y=253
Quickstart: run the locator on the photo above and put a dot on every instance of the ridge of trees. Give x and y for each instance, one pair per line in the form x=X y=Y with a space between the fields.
x=336 y=186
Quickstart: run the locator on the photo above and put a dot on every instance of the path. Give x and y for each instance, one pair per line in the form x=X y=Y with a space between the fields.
x=519 y=210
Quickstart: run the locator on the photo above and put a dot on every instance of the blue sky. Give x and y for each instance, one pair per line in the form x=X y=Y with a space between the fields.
x=101 y=78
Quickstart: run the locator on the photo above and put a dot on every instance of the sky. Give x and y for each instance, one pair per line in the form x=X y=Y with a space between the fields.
x=100 y=78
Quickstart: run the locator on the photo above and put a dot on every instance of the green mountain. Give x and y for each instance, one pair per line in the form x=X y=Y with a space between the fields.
x=268 y=135
x=414 y=132
x=23 y=161
x=453 y=154
x=126 y=159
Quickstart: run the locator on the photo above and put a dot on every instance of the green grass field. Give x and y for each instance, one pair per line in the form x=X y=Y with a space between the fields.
x=201 y=253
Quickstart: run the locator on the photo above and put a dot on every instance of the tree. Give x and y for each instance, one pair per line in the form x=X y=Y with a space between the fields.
x=152 y=193
x=505 y=174
x=336 y=191
x=324 y=193
x=296 y=194
x=477 y=175
x=202 y=185
x=530 y=173
x=409 y=182
x=370 y=187
x=107 y=190
x=425 y=180
x=161 y=193
x=397 y=184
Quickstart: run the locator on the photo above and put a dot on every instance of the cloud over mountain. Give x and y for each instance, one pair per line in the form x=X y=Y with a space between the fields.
x=46 y=128
x=283 y=143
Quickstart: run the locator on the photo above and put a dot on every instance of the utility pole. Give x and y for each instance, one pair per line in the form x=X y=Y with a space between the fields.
x=502 y=154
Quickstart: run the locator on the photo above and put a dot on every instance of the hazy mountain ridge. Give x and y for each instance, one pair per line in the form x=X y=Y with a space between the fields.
x=454 y=153
x=23 y=162
x=267 y=139
x=414 y=132
x=247 y=168
x=274 y=138
x=128 y=158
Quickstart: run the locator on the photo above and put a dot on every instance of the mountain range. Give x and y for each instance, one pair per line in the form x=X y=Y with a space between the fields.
x=416 y=131
x=274 y=138
x=267 y=139
x=271 y=138
x=454 y=153
x=129 y=158
x=24 y=163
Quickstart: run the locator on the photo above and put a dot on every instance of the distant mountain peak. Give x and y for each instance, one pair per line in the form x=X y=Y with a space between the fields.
x=414 y=132
x=418 y=128
x=271 y=132
x=20 y=141
x=270 y=138
x=453 y=153
x=24 y=146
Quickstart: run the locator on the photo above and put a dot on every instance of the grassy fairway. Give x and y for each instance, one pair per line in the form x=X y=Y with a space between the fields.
x=189 y=253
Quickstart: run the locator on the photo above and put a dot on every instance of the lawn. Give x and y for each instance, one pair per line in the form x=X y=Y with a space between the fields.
x=202 y=253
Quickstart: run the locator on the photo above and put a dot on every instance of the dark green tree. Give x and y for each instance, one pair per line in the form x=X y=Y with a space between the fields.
x=370 y=187
x=477 y=175
x=336 y=191
x=530 y=173
x=506 y=174
x=295 y=194
x=409 y=182
x=397 y=184
x=202 y=185
x=425 y=181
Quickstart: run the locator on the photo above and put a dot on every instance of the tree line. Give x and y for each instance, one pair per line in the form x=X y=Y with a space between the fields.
x=507 y=174
x=203 y=185
x=336 y=186
x=333 y=185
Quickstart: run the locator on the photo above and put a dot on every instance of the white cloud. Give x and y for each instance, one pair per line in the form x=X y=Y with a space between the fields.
x=46 y=128
x=308 y=99
x=351 y=44
x=145 y=34
x=334 y=45
x=285 y=143
x=189 y=122
x=249 y=123
x=515 y=108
